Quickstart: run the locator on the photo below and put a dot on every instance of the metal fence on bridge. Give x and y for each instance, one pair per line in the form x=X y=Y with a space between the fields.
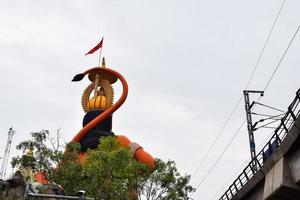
x=255 y=164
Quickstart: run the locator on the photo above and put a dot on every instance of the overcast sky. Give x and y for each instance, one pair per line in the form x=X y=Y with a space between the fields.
x=186 y=63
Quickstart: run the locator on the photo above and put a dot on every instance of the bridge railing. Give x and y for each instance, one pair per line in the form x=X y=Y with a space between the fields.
x=279 y=135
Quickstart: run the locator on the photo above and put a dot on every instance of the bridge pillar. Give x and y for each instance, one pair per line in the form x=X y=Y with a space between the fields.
x=279 y=183
x=294 y=161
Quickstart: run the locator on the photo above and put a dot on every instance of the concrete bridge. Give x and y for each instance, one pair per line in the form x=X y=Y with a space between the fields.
x=275 y=172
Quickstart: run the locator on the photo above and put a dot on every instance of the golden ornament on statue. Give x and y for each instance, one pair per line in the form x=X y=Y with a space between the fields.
x=97 y=103
x=99 y=94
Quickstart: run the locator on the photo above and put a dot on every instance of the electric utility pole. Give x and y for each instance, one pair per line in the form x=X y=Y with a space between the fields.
x=248 y=107
x=11 y=132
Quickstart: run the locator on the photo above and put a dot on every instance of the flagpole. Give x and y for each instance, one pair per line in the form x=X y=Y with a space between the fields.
x=97 y=75
x=99 y=64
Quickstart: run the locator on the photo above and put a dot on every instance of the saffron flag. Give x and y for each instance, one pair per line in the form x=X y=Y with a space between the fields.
x=98 y=46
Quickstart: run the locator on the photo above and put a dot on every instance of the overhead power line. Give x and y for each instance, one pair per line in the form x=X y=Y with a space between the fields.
x=241 y=97
x=234 y=136
x=281 y=59
x=266 y=43
x=216 y=138
x=220 y=156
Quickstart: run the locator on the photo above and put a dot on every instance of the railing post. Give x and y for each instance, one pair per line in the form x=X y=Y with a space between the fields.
x=284 y=126
x=222 y=198
x=278 y=138
x=235 y=186
x=240 y=181
x=251 y=167
x=290 y=110
x=81 y=194
x=246 y=174
x=298 y=94
x=257 y=161
x=227 y=196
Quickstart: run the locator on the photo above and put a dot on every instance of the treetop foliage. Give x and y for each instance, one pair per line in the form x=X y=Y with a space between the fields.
x=109 y=172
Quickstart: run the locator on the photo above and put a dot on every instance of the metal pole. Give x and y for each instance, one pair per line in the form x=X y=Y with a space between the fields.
x=248 y=107
x=81 y=194
x=99 y=63
x=5 y=158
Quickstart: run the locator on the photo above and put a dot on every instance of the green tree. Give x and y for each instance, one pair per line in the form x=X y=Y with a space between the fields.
x=69 y=172
x=166 y=183
x=44 y=158
x=111 y=173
